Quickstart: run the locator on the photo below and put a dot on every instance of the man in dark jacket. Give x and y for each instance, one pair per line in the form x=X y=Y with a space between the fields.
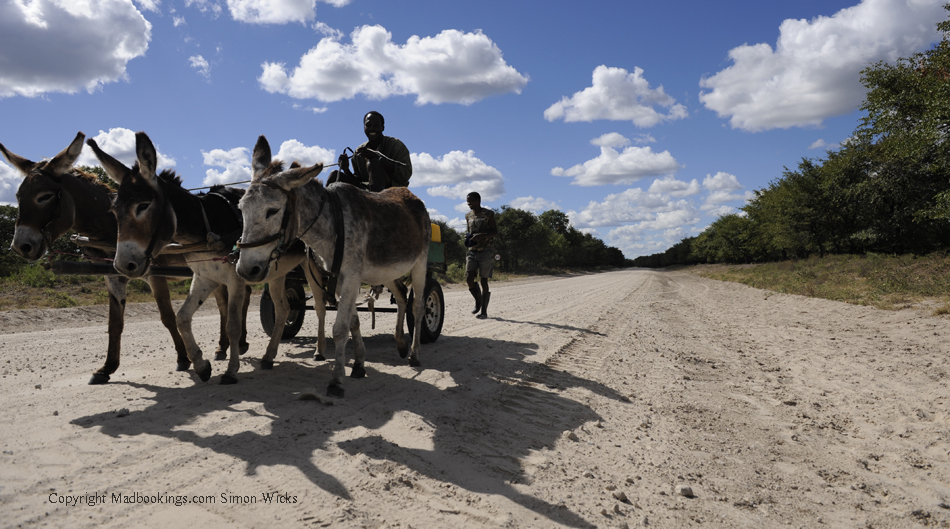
x=480 y=259
x=379 y=163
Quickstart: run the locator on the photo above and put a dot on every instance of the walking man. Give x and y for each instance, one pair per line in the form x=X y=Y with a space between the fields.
x=479 y=259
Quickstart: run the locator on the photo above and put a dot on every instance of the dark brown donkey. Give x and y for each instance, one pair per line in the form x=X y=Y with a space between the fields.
x=154 y=209
x=55 y=198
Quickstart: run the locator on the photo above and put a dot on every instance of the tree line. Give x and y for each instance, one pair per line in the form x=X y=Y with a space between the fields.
x=885 y=190
x=532 y=243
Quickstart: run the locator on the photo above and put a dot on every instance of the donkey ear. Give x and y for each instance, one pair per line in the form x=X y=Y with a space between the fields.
x=261 y=158
x=115 y=170
x=298 y=176
x=63 y=162
x=25 y=166
x=148 y=159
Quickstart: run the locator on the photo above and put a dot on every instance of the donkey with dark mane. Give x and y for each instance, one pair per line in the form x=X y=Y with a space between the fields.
x=360 y=236
x=153 y=210
x=54 y=198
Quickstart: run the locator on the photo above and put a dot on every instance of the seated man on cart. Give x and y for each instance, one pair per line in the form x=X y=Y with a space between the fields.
x=379 y=163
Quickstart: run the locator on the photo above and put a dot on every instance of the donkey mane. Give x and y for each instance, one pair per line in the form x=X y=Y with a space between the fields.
x=170 y=177
x=89 y=177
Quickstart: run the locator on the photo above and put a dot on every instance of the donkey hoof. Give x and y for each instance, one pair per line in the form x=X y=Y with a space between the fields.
x=98 y=379
x=319 y=357
x=244 y=347
x=227 y=380
x=267 y=364
x=414 y=362
x=335 y=390
x=204 y=374
x=403 y=351
x=184 y=365
x=220 y=355
x=358 y=371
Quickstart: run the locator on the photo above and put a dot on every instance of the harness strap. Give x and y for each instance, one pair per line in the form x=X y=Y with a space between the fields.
x=151 y=244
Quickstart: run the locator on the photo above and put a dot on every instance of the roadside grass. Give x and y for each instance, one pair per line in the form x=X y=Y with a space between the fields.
x=888 y=282
x=34 y=287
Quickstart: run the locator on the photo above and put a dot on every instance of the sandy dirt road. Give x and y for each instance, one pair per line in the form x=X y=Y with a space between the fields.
x=585 y=401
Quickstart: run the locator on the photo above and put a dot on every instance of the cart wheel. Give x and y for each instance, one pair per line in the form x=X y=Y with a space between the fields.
x=297 y=299
x=434 y=307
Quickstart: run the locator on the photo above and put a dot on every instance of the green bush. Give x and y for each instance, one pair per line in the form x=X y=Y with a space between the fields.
x=455 y=274
x=35 y=276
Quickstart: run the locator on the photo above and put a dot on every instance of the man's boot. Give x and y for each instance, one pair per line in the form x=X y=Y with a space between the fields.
x=484 y=313
x=477 y=294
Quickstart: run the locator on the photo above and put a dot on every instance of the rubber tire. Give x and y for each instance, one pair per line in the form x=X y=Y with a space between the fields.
x=296 y=297
x=434 y=306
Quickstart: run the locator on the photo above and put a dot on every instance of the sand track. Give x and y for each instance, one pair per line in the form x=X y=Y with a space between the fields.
x=776 y=410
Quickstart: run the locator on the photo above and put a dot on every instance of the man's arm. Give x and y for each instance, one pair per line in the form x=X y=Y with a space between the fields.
x=399 y=176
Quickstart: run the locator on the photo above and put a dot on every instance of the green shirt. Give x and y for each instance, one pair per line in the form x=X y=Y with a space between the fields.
x=391 y=148
x=482 y=221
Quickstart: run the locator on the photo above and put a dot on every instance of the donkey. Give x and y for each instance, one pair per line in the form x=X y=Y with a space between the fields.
x=152 y=210
x=55 y=198
x=358 y=235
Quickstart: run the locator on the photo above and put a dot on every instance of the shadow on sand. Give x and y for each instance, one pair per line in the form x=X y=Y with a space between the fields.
x=500 y=408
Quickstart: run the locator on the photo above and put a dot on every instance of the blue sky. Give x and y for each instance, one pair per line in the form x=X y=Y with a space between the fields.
x=643 y=121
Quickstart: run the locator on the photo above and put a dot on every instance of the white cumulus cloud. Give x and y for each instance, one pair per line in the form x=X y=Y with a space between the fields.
x=532 y=204
x=275 y=11
x=723 y=188
x=236 y=165
x=150 y=5
x=618 y=95
x=292 y=150
x=272 y=11
x=455 y=175
x=813 y=72
x=10 y=180
x=120 y=144
x=452 y=67
x=68 y=46
x=676 y=188
x=199 y=63
x=619 y=167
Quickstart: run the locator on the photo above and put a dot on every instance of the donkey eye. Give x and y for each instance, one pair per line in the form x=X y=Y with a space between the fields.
x=271 y=212
x=45 y=197
x=142 y=207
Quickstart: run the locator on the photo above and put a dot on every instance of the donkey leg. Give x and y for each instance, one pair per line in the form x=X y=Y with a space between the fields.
x=341 y=334
x=117 y=288
x=399 y=293
x=315 y=280
x=221 y=298
x=247 y=303
x=281 y=310
x=359 y=349
x=163 y=300
x=418 y=310
x=201 y=288
x=236 y=291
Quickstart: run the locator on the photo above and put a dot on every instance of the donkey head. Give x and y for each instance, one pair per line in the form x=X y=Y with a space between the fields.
x=146 y=221
x=269 y=211
x=45 y=212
